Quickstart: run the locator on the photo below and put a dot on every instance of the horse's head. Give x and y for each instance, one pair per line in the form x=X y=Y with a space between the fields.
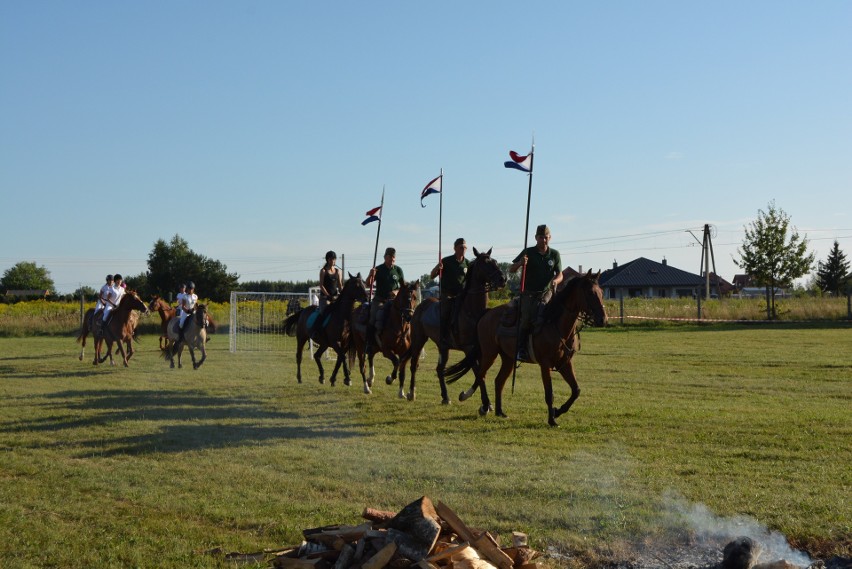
x=485 y=271
x=590 y=298
x=157 y=303
x=131 y=301
x=201 y=315
x=406 y=299
x=355 y=286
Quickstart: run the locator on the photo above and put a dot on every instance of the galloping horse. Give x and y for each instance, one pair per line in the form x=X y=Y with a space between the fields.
x=395 y=338
x=553 y=345
x=194 y=336
x=166 y=312
x=334 y=331
x=483 y=275
x=89 y=327
x=119 y=330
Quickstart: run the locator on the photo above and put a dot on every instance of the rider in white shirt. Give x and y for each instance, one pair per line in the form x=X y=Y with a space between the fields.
x=187 y=304
x=103 y=294
x=114 y=297
x=179 y=298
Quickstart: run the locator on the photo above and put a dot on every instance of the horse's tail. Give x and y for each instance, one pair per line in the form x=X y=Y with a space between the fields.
x=456 y=371
x=169 y=351
x=290 y=323
x=211 y=326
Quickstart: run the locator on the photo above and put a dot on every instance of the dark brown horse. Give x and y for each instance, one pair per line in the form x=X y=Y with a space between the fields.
x=119 y=330
x=483 y=275
x=332 y=333
x=166 y=312
x=194 y=337
x=553 y=343
x=393 y=341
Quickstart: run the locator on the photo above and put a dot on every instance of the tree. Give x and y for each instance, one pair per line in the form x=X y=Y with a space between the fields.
x=27 y=275
x=831 y=275
x=87 y=292
x=172 y=263
x=769 y=257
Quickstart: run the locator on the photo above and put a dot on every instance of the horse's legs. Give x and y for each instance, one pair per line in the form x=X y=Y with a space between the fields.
x=318 y=358
x=566 y=369
x=129 y=348
x=300 y=346
x=203 y=349
x=120 y=349
x=394 y=359
x=341 y=361
x=507 y=364
x=547 y=382
x=443 y=355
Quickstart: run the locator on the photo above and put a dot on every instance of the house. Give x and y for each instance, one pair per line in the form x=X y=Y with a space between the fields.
x=649 y=279
x=28 y=293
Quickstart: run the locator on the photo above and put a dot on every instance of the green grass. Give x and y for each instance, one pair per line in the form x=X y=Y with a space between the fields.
x=151 y=467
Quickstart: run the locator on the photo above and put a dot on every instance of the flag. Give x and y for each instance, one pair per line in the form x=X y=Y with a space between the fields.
x=522 y=163
x=371 y=215
x=433 y=187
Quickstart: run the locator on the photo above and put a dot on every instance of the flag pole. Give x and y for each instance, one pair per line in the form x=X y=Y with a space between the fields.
x=440 y=220
x=378 y=231
x=524 y=269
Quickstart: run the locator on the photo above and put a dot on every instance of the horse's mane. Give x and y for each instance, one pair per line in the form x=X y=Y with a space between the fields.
x=553 y=310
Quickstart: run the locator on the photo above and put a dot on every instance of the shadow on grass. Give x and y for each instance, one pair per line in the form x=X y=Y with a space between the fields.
x=173 y=422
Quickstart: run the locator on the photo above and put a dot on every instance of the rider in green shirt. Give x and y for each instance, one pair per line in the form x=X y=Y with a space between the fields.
x=542 y=275
x=453 y=271
x=387 y=277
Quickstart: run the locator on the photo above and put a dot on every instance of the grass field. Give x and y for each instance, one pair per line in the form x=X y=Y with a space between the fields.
x=151 y=467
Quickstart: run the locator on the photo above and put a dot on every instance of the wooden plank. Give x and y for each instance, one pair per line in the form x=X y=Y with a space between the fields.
x=381 y=558
x=487 y=546
x=448 y=553
x=455 y=523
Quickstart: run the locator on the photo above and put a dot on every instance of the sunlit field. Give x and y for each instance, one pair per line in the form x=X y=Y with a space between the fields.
x=151 y=467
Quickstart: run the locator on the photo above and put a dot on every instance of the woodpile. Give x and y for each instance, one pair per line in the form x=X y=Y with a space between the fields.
x=420 y=536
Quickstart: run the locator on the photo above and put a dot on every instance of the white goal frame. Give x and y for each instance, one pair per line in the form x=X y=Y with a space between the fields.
x=257 y=319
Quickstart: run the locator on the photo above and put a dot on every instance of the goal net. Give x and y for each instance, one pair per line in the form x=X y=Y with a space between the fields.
x=257 y=319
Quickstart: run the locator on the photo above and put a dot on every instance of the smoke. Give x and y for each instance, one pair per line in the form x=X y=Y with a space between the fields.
x=709 y=526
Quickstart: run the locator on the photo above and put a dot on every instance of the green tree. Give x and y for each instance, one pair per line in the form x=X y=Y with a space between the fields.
x=172 y=263
x=771 y=258
x=87 y=292
x=831 y=275
x=27 y=275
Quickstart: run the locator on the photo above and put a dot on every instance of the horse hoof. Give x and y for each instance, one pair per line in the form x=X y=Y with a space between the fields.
x=445 y=401
x=401 y=395
x=464 y=396
x=322 y=380
x=410 y=396
x=553 y=423
x=367 y=390
x=501 y=414
x=389 y=380
x=483 y=411
x=347 y=382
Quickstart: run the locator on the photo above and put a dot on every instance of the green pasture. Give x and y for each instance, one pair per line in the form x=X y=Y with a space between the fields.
x=151 y=467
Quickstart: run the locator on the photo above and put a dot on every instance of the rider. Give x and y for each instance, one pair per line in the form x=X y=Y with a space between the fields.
x=187 y=305
x=542 y=274
x=179 y=298
x=331 y=283
x=388 y=277
x=453 y=270
x=116 y=291
x=103 y=294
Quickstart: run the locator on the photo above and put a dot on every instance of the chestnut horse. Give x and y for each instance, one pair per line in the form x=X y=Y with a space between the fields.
x=332 y=333
x=166 y=312
x=393 y=341
x=553 y=343
x=483 y=275
x=119 y=330
x=89 y=326
x=194 y=336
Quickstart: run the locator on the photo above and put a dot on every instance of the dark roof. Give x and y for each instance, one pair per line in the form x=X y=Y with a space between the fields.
x=645 y=272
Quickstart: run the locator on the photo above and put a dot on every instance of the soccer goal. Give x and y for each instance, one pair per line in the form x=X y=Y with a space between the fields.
x=257 y=319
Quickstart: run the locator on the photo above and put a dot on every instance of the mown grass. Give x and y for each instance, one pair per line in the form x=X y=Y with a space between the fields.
x=151 y=467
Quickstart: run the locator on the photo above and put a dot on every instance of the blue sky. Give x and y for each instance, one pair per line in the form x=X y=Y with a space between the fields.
x=261 y=132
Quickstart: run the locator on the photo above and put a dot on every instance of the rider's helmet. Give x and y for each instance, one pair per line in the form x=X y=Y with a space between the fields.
x=109 y=278
x=190 y=285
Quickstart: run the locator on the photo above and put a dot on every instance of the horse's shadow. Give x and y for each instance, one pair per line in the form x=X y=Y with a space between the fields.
x=181 y=422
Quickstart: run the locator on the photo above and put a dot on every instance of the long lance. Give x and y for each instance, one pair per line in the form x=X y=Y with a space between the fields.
x=378 y=231
x=440 y=219
x=524 y=269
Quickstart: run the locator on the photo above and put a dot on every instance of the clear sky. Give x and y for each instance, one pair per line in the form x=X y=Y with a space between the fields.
x=262 y=131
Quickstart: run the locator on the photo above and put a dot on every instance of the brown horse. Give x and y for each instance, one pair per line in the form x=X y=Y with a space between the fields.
x=166 y=312
x=394 y=340
x=553 y=343
x=194 y=336
x=333 y=332
x=89 y=324
x=483 y=275
x=119 y=330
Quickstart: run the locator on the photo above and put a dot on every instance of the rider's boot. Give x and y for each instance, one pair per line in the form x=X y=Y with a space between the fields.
x=523 y=341
x=371 y=333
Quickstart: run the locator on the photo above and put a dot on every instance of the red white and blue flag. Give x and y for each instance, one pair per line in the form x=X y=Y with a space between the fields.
x=374 y=214
x=433 y=187
x=522 y=163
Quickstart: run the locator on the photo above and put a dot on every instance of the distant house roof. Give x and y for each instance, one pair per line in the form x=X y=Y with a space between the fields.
x=645 y=272
x=742 y=280
x=28 y=292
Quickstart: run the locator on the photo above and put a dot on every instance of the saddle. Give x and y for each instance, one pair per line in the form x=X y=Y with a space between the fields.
x=509 y=321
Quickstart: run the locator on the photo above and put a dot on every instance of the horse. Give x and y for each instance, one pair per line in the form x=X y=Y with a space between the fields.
x=394 y=340
x=194 y=336
x=120 y=329
x=553 y=344
x=333 y=332
x=483 y=275
x=166 y=312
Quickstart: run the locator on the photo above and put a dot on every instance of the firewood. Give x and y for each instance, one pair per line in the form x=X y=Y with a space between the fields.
x=379 y=516
x=424 y=564
x=381 y=558
x=359 y=548
x=486 y=545
x=458 y=526
x=448 y=553
x=415 y=529
x=295 y=563
x=344 y=560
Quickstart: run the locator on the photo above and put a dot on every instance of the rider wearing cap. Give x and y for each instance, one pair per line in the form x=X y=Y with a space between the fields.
x=187 y=304
x=453 y=271
x=542 y=275
x=103 y=294
x=387 y=277
x=114 y=295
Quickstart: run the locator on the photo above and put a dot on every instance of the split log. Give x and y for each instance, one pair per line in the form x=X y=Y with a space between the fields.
x=344 y=560
x=455 y=523
x=295 y=563
x=448 y=553
x=379 y=516
x=488 y=547
x=415 y=529
x=381 y=558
